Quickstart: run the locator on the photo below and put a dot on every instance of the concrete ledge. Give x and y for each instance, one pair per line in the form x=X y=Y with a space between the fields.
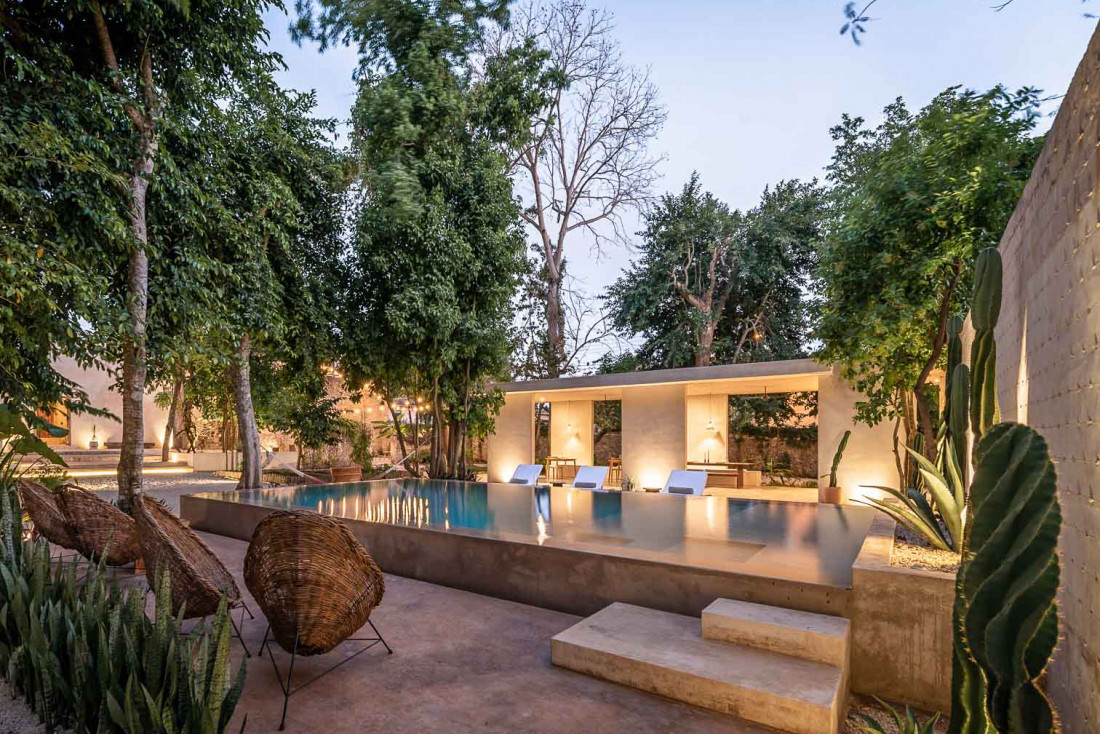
x=567 y=580
x=663 y=653
x=804 y=635
x=901 y=626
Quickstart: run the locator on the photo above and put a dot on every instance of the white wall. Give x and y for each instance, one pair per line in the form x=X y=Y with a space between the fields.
x=100 y=388
x=513 y=441
x=571 y=430
x=869 y=459
x=654 y=418
x=701 y=411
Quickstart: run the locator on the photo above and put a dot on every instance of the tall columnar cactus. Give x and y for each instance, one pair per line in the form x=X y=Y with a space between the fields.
x=958 y=414
x=984 y=311
x=1007 y=586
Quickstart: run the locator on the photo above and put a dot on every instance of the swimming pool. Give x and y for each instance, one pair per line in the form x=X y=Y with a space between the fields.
x=459 y=533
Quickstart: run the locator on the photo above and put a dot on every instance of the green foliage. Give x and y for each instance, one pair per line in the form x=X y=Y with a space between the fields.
x=837 y=458
x=784 y=418
x=907 y=724
x=762 y=261
x=65 y=193
x=914 y=201
x=361 y=448
x=437 y=243
x=82 y=652
x=312 y=423
x=1007 y=588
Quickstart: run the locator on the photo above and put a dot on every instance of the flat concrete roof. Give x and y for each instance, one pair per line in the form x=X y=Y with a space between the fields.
x=798 y=374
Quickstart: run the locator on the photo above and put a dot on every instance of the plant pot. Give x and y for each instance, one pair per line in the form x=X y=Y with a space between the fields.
x=346 y=474
x=830 y=496
x=93 y=444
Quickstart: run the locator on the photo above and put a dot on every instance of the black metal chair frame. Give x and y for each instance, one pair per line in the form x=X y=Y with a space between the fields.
x=286 y=688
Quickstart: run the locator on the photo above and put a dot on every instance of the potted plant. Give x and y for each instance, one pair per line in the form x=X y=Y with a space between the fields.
x=832 y=494
x=94 y=443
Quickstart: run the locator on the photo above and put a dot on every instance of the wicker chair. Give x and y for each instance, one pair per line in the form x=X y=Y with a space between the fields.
x=199 y=580
x=99 y=527
x=44 y=509
x=316 y=585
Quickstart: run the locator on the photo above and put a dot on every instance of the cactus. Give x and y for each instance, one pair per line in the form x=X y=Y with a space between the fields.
x=837 y=457
x=984 y=311
x=1007 y=588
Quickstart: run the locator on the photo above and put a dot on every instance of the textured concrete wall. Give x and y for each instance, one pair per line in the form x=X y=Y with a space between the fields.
x=869 y=459
x=706 y=426
x=653 y=432
x=513 y=441
x=901 y=626
x=571 y=430
x=1048 y=366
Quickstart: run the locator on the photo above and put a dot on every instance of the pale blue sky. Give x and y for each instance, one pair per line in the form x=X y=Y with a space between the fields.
x=753 y=86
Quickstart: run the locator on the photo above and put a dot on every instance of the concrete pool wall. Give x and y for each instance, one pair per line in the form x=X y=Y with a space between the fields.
x=563 y=579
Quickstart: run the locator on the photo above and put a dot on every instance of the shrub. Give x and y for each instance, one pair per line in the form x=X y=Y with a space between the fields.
x=84 y=655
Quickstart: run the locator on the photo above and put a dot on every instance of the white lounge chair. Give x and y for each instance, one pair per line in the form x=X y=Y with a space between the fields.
x=526 y=475
x=681 y=481
x=590 y=477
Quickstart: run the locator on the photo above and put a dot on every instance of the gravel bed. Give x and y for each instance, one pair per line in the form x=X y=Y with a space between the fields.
x=910 y=551
x=166 y=487
x=855 y=724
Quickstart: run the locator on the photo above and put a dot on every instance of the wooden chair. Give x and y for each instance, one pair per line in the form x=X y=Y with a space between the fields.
x=44 y=509
x=198 y=579
x=316 y=585
x=101 y=530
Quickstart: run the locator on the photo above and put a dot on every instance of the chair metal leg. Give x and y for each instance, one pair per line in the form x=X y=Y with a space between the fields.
x=239 y=634
x=250 y=614
x=287 y=688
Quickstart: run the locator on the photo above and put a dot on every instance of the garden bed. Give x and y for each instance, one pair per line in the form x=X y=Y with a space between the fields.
x=911 y=551
x=857 y=705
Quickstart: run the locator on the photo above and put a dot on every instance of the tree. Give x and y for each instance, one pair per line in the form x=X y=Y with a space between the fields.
x=280 y=185
x=713 y=284
x=913 y=201
x=126 y=71
x=585 y=160
x=437 y=244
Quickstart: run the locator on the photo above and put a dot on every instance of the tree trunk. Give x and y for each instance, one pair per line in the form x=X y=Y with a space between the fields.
x=248 y=436
x=554 y=325
x=705 y=348
x=437 y=464
x=397 y=431
x=134 y=347
x=171 y=428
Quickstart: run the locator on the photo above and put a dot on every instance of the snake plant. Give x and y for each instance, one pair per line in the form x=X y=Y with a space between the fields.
x=83 y=653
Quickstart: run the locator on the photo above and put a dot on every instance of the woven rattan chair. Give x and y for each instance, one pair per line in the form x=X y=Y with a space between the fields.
x=316 y=585
x=44 y=509
x=198 y=579
x=99 y=527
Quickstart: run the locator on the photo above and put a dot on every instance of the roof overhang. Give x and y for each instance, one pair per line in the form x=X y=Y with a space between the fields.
x=749 y=378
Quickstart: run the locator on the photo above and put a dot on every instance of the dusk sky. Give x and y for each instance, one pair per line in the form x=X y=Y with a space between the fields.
x=752 y=87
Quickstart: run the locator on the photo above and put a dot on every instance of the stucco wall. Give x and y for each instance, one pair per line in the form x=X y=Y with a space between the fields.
x=704 y=411
x=513 y=441
x=868 y=459
x=1048 y=366
x=100 y=388
x=653 y=432
x=571 y=430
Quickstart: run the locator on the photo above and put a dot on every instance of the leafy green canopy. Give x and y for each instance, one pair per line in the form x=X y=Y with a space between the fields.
x=762 y=262
x=69 y=148
x=913 y=201
x=437 y=243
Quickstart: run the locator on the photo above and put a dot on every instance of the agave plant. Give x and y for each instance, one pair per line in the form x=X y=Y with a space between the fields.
x=907 y=724
x=938 y=516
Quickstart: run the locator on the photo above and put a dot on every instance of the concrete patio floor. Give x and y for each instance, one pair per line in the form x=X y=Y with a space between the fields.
x=461 y=663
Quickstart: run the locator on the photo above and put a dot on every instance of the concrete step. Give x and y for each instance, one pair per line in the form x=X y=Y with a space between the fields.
x=817 y=637
x=664 y=653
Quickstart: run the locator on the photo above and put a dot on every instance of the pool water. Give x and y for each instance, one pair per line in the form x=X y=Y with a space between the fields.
x=789 y=540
